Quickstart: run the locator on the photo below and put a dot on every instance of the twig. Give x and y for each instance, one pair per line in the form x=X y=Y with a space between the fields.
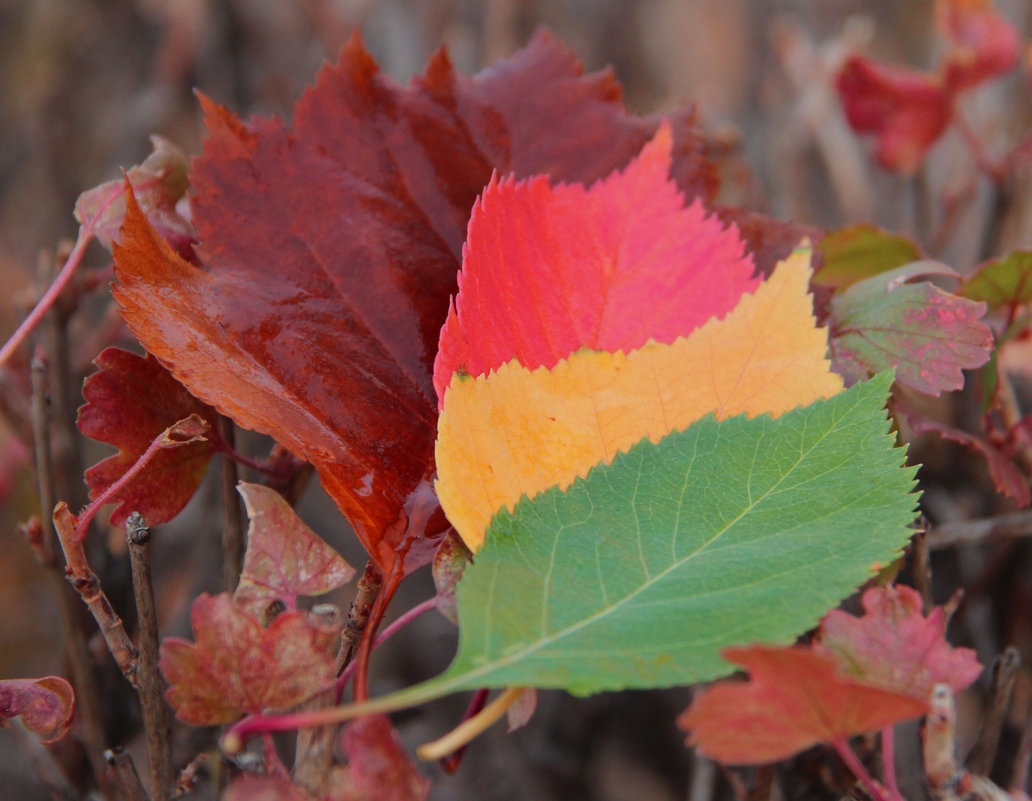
x=126 y=777
x=86 y=583
x=922 y=568
x=232 y=526
x=970 y=532
x=358 y=614
x=1005 y=671
x=360 y=687
x=156 y=723
x=1019 y=773
x=471 y=728
x=703 y=778
x=940 y=762
x=72 y=621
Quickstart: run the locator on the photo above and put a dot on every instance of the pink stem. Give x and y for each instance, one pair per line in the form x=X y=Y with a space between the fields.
x=888 y=748
x=384 y=635
x=994 y=170
x=224 y=447
x=876 y=791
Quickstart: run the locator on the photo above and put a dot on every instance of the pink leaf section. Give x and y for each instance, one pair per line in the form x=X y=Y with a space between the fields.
x=378 y=767
x=46 y=706
x=547 y=270
x=983 y=43
x=895 y=647
x=284 y=558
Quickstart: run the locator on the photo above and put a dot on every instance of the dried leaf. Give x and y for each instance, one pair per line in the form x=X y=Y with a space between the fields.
x=522 y=709
x=928 y=335
x=548 y=270
x=983 y=44
x=237 y=667
x=332 y=248
x=895 y=647
x=795 y=698
x=450 y=563
x=131 y=400
x=518 y=432
x=378 y=767
x=46 y=706
x=860 y=251
x=905 y=109
x=284 y=557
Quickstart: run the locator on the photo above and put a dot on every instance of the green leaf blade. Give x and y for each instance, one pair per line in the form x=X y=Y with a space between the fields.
x=727 y=532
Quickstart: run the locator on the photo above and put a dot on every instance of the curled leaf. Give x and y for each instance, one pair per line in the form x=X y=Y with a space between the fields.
x=46 y=706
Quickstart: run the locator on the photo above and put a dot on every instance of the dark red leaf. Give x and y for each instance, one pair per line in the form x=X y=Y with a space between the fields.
x=284 y=558
x=895 y=647
x=332 y=248
x=795 y=698
x=130 y=400
x=767 y=239
x=238 y=667
x=378 y=767
x=905 y=109
x=982 y=43
x=46 y=705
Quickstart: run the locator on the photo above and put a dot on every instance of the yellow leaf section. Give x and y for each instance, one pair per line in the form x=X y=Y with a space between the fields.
x=517 y=432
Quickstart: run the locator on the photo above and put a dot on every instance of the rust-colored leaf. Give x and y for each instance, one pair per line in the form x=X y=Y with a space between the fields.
x=795 y=698
x=284 y=558
x=46 y=706
x=378 y=767
x=237 y=667
x=130 y=401
x=332 y=248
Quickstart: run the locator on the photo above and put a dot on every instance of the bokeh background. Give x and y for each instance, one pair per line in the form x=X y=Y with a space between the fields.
x=83 y=83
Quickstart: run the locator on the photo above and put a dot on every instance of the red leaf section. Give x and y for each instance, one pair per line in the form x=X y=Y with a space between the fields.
x=332 y=248
x=895 y=647
x=907 y=110
x=46 y=706
x=795 y=698
x=264 y=788
x=982 y=43
x=130 y=400
x=284 y=558
x=547 y=270
x=378 y=767
x=237 y=667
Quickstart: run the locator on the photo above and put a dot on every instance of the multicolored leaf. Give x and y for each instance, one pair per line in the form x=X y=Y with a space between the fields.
x=1001 y=283
x=332 y=248
x=795 y=698
x=928 y=335
x=517 y=432
x=236 y=666
x=284 y=557
x=548 y=270
x=130 y=401
x=46 y=706
x=895 y=647
x=860 y=251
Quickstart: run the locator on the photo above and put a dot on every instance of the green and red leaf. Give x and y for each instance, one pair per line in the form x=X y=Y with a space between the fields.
x=1002 y=283
x=861 y=251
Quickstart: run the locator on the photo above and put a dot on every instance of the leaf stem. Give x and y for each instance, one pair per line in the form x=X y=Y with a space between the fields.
x=451 y=762
x=856 y=767
x=387 y=633
x=888 y=749
x=469 y=729
x=360 y=689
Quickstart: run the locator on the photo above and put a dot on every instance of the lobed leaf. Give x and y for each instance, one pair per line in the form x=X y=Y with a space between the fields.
x=46 y=706
x=284 y=557
x=332 y=248
x=518 y=432
x=237 y=667
x=795 y=698
x=928 y=335
x=130 y=401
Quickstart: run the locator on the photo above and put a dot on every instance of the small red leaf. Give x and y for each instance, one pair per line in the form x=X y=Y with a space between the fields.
x=238 y=667
x=928 y=335
x=982 y=43
x=905 y=109
x=378 y=767
x=895 y=647
x=547 y=270
x=332 y=248
x=131 y=400
x=46 y=705
x=795 y=698
x=284 y=558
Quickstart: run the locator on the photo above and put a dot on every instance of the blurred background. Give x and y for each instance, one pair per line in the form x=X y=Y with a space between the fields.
x=83 y=83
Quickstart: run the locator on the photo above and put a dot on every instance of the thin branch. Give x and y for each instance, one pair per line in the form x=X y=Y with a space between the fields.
x=1019 y=773
x=126 y=777
x=87 y=584
x=358 y=615
x=986 y=529
x=232 y=525
x=466 y=731
x=156 y=722
x=1005 y=671
x=922 y=568
x=938 y=742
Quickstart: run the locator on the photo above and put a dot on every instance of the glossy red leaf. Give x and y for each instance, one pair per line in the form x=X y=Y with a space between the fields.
x=547 y=270
x=130 y=400
x=378 y=767
x=46 y=706
x=893 y=320
x=895 y=647
x=905 y=109
x=983 y=44
x=794 y=699
x=237 y=667
x=332 y=248
x=284 y=557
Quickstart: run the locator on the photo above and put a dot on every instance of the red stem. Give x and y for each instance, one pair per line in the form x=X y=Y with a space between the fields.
x=876 y=791
x=450 y=763
x=994 y=170
x=888 y=749
x=365 y=645
x=220 y=444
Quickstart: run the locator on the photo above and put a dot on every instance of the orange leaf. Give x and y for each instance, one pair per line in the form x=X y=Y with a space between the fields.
x=517 y=431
